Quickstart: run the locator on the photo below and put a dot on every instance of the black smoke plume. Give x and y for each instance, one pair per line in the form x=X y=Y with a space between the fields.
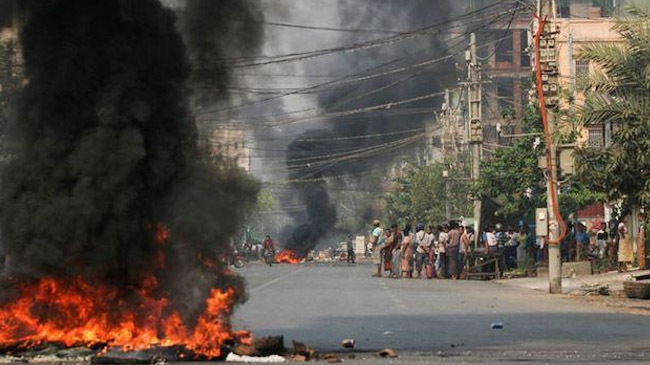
x=368 y=171
x=107 y=151
x=321 y=212
x=216 y=33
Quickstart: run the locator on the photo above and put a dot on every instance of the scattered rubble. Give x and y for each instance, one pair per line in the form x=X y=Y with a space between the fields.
x=594 y=289
x=47 y=353
x=267 y=346
x=387 y=353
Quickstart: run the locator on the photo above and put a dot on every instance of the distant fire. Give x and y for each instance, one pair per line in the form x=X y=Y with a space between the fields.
x=76 y=312
x=288 y=257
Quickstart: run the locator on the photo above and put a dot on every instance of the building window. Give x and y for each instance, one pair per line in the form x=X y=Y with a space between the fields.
x=236 y=145
x=505 y=95
x=523 y=41
x=596 y=139
x=582 y=69
x=504 y=50
x=564 y=8
x=606 y=7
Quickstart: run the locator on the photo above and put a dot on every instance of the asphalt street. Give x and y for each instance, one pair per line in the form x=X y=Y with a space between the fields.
x=433 y=320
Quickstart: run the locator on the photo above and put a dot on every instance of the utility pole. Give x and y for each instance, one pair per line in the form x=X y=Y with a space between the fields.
x=474 y=97
x=449 y=142
x=547 y=89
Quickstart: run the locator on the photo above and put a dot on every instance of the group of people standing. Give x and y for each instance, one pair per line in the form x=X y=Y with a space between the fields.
x=423 y=252
x=612 y=243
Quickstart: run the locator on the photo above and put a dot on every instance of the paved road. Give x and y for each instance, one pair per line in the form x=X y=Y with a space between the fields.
x=321 y=305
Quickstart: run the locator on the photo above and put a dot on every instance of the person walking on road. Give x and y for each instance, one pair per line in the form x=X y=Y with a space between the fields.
x=351 y=256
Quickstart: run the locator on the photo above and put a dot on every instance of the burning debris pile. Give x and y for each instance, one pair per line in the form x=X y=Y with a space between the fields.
x=112 y=218
x=287 y=256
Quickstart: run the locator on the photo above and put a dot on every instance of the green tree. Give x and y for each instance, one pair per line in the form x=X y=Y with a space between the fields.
x=513 y=179
x=511 y=176
x=256 y=222
x=421 y=196
x=619 y=94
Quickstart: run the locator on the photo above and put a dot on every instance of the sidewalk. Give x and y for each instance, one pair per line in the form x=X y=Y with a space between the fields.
x=571 y=287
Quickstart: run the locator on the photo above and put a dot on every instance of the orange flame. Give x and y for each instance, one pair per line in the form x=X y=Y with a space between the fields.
x=161 y=234
x=288 y=257
x=74 y=312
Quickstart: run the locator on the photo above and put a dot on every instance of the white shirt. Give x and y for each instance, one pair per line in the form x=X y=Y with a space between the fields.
x=491 y=239
x=420 y=238
x=442 y=242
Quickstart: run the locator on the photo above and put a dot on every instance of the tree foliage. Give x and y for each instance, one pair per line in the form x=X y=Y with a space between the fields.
x=421 y=195
x=619 y=94
x=513 y=179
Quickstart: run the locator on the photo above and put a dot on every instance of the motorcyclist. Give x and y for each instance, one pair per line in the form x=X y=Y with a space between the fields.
x=248 y=251
x=269 y=249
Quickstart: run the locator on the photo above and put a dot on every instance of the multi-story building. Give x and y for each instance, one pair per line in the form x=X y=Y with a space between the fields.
x=502 y=48
x=231 y=144
x=581 y=22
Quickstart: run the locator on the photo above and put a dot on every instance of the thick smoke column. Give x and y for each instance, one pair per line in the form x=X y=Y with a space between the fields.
x=107 y=154
x=215 y=33
x=368 y=173
x=321 y=212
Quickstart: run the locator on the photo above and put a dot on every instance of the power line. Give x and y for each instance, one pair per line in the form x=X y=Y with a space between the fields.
x=324 y=28
x=365 y=152
x=388 y=105
x=354 y=78
x=245 y=62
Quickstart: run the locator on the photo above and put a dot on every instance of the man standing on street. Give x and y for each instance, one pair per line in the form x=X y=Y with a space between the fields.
x=421 y=249
x=441 y=263
x=375 y=239
x=453 y=243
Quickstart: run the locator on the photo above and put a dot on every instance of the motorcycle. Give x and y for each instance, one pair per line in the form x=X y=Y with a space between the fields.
x=248 y=252
x=237 y=260
x=269 y=257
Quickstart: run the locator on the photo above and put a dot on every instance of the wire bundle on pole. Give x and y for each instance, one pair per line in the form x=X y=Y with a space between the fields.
x=547 y=137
